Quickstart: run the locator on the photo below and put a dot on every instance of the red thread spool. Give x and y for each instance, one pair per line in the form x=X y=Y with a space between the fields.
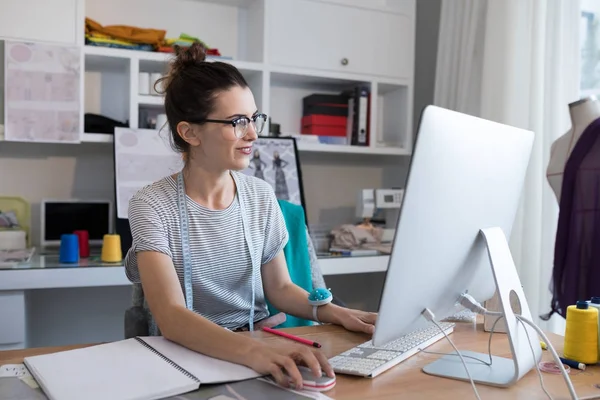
x=84 y=243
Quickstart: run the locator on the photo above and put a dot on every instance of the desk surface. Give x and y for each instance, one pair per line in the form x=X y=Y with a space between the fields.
x=407 y=377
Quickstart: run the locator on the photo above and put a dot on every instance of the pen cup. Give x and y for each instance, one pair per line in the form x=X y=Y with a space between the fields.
x=69 y=248
x=84 y=243
x=111 y=249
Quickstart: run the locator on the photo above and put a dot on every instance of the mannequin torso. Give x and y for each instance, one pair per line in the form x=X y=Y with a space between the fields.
x=583 y=112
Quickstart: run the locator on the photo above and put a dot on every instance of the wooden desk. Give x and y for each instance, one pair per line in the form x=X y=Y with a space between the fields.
x=407 y=380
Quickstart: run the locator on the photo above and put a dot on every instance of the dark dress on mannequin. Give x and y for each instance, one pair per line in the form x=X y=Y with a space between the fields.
x=281 y=189
x=258 y=166
x=576 y=272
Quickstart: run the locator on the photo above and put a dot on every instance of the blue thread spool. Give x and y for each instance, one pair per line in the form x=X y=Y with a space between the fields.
x=69 y=248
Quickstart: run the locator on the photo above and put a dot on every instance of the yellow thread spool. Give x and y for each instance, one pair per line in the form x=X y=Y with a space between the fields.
x=111 y=249
x=581 y=334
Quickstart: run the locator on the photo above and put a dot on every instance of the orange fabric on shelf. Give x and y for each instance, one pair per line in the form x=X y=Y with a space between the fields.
x=127 y=33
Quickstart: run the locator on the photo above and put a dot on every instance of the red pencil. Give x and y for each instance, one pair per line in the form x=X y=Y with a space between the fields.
x=292 y=337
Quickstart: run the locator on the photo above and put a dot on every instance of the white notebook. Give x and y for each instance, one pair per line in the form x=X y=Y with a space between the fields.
x=138 y=368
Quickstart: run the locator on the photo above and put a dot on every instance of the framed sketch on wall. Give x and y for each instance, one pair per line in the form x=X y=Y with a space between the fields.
x=275 y=160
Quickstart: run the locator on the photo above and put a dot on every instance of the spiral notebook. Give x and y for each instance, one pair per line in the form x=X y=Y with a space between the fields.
x=131 y=369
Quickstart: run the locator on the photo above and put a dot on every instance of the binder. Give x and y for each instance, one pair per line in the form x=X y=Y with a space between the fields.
x=131 y=369
x=357 y=129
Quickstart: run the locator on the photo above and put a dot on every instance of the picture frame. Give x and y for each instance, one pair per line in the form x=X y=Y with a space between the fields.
x=275 y=160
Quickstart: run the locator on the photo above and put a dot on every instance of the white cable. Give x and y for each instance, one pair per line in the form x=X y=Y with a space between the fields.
x=469 y=302
x=537 y=367
x=430 y=317
x=554 y=354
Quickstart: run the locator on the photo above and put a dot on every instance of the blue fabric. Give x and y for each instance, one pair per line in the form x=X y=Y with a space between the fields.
x=296 y=257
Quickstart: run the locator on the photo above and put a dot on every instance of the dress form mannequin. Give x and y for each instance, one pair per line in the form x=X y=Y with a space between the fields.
x=583 y=112
x=574 y=175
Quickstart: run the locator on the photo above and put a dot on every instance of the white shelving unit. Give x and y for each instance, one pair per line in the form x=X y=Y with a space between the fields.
x=281 y=75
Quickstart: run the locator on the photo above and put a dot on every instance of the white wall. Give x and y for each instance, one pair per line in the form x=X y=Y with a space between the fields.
x=61 y=171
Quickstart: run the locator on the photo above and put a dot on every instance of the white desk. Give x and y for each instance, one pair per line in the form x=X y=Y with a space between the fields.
x=46 y=303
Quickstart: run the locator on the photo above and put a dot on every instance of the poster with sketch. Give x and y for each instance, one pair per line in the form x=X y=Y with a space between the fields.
x=42 y=86
x=275 y=160
x=142 y=157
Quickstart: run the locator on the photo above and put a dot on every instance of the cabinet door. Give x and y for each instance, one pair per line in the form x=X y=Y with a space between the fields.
x=327 y=36
x=40 y=20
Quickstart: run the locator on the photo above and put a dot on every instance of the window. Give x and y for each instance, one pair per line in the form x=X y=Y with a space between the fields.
x=590 y=47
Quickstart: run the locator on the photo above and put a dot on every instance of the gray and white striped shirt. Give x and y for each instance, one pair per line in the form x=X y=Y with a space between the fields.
x=221 y=263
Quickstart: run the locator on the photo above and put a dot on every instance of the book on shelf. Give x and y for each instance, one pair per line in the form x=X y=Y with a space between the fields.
x=137 y=368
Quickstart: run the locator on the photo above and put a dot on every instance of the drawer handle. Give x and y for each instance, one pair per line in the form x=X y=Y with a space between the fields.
x=344 y=61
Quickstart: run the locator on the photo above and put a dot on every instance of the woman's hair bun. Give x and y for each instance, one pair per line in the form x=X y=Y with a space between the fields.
x=189 y=55
x=185 y=57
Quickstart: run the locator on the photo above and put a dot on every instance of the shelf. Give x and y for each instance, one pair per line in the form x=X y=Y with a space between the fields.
x=332 y=148
x=147 y=58
x=302 y=146
x=97 y=138
x=301 y=77
x=353 y=265
x=149 y=100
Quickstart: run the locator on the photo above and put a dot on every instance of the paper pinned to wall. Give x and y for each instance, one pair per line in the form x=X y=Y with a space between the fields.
x=43 y=86
x=142 y=157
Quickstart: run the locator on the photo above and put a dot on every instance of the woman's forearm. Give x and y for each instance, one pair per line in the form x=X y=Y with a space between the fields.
x=293 y=300
x=195 y=332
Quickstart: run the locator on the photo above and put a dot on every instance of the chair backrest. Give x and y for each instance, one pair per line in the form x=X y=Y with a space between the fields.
x=300 y=257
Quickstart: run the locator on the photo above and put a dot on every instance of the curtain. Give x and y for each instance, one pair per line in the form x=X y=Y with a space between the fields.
x=460 y=55
x=529 y=73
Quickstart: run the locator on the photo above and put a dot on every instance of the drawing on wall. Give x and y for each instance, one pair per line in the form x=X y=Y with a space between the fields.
x=142 y=157
x=42 y=92
x=275 y=160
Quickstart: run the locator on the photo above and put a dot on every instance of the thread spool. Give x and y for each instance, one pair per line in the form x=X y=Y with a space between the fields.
x=84 y=243
x=581 y=333
x=69 y=248
x=595 y=302
x=111 y=249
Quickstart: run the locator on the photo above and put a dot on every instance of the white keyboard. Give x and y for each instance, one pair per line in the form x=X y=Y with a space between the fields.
x=369 y=361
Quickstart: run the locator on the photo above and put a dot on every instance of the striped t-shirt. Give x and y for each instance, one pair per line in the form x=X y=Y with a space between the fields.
x=221 y=264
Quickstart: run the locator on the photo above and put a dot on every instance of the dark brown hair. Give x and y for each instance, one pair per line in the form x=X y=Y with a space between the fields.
x=191 y=86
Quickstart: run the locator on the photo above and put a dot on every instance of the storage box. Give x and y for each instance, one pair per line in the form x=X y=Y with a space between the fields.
x=325 y=125
x=325 y=104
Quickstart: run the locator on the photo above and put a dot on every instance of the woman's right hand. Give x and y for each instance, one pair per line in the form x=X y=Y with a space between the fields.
x=282 y=360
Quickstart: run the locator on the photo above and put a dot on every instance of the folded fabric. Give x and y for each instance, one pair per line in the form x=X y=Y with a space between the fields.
x=127 y=33
x=8 y=219
x=353 y=237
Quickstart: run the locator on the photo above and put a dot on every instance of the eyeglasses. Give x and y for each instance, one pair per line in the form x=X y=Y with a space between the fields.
x=241 y=124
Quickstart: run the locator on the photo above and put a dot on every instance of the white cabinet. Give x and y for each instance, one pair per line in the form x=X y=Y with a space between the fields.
x=41 y=20
x=328 y=36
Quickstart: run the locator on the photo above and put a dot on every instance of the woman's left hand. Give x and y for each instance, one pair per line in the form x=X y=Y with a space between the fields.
x=357 y=321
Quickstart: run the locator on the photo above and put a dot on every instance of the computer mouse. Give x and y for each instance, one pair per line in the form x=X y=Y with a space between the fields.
x=310 y=382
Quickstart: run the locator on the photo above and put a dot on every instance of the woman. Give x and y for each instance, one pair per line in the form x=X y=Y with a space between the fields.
x=235 y=231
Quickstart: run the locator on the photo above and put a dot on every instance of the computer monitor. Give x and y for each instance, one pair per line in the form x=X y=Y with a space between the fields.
x=466 y=174
x=68 y=215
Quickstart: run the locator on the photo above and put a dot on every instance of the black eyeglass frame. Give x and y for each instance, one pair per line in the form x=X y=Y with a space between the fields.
x=235 y=121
